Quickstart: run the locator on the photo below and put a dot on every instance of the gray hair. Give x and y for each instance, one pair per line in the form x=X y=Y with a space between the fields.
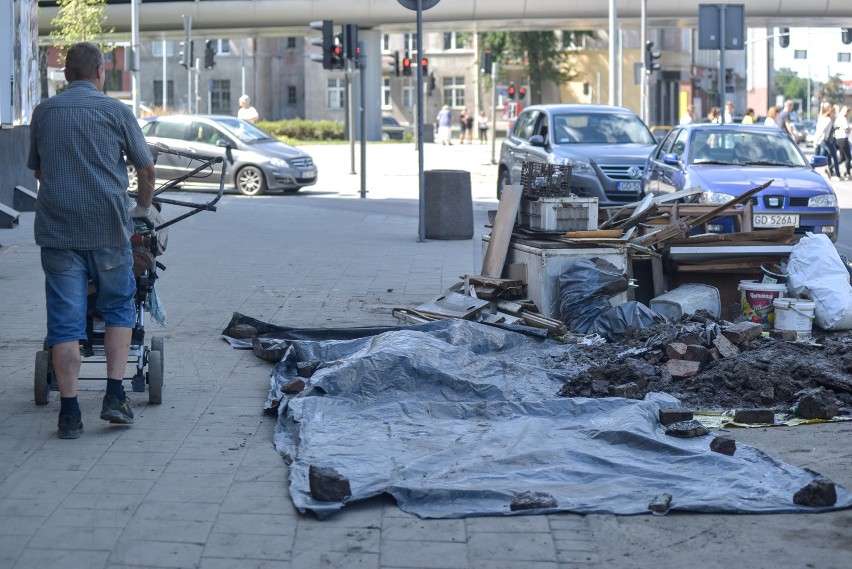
x=244 y=99
x=82 y=61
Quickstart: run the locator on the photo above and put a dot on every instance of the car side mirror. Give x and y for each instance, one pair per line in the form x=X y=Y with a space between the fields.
x=819 y=161
x=671 y=160
x=536 y=140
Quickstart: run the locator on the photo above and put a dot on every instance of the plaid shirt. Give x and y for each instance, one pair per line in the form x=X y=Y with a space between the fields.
x=78 y=140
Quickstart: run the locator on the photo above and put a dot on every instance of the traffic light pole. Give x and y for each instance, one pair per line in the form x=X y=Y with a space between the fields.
x=422 y=192
x=494 y=112
x=361 y=58
x=187 y=26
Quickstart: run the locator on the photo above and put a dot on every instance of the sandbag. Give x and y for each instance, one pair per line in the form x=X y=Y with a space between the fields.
x=816 y=271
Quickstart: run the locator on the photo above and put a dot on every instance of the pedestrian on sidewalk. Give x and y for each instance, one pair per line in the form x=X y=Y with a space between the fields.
x=841 y=139
x=483 y=127
x=246 y=112
x=824 y=139
x=463 y=126
x=445 y=125
x=468 y=123
x=78 y=143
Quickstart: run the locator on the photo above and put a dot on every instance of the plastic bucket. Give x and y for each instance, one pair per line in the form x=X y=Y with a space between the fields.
x=794 y=314
x=756 y=301
x=773 y=274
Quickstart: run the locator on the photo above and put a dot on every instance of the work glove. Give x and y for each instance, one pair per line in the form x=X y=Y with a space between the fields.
x=141 y=212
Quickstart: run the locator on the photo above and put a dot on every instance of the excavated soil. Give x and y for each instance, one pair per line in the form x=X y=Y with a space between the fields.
x=767 y=373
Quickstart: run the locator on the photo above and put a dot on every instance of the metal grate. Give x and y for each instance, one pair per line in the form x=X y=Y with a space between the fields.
x=540 y=180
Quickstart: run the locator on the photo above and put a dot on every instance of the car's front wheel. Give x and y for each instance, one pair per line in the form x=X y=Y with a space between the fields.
x=502 y=181
x=250 y=181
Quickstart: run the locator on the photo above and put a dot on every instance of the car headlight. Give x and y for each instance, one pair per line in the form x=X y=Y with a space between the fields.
x=579 y=167
x=717 y=198
x=827 y=200
x=279 y=163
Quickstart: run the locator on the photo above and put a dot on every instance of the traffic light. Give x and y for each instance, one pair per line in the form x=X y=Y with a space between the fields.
x=182 y=54
x=396 y=63
x=522 y=92
x=209 y=53
x=432 y=83
x=485 y=69
x=406 y=65
x=424 y=62
x=651 y=57
x=784 y=37
x=338 y=57
x=846 y=35
x=326 y=42
x=350 y=41
x=512 y=91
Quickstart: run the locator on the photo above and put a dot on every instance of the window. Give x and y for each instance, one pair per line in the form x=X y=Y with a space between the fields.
x=843 y=57
x=386 y=42
x=800 y=54
x=454 y=91
x=291 y=95
x=158 y=93
x=157 y=48
x=223 y=46
x=335 y=94
x=169 y=129
x=220 y=97
x=455 y=40
x=291 y=42
x=386 y=93
x=525 y=127
x=408 y=92
x=409 y=42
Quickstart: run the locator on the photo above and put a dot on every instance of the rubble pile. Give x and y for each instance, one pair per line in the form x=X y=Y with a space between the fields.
x=709 y=364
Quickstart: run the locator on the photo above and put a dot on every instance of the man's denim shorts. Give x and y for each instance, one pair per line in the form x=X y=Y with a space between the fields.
x=67 y=273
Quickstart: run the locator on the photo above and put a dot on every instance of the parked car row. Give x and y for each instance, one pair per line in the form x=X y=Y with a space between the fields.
x=616 y=159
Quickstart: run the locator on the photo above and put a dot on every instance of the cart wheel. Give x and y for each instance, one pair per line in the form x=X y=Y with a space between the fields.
x=155 y=377
x=42 y=383
x=157 y=346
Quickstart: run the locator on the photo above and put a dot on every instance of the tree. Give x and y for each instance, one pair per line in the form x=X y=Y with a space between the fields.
x=80 y=20
x=790 y=85
x=833 y=91
x=542 y=53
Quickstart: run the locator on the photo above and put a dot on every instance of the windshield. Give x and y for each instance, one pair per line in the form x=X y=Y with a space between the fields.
x=600 y=128
x=721 y=146
x=244 y=131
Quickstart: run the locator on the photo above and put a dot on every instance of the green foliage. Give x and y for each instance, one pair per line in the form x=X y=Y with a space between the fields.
x=301 y=129
x=80 y=20
x=790 y=85
x=833 y=90
x=542 y=53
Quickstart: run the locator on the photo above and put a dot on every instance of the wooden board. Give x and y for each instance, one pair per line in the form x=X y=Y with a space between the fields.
x=501 y=234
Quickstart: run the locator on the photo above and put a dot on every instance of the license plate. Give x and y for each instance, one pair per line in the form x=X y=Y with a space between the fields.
x=629 y=186
x=775 y=220
x=309 y=174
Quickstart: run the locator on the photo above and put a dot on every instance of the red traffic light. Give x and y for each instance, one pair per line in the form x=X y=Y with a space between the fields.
x=512 y=91
x=522 y=92
x=406 y=66
x=425 y=62
x=337 y=50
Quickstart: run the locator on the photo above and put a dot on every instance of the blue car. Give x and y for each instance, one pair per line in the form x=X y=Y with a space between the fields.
x=727 y=160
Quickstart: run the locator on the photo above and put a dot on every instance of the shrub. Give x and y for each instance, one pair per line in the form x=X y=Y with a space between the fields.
x=301 y=129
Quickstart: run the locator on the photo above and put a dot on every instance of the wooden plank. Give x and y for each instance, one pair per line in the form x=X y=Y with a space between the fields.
x=501 y=234
x=596 y=233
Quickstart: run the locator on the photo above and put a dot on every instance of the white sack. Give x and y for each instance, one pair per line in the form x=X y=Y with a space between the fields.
x=816 y=271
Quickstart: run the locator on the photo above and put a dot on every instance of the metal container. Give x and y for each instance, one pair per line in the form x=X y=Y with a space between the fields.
x=559 y=214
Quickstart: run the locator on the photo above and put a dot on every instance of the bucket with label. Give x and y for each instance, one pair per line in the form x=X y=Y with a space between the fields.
x=756 y=301
x=796 y=314
x=773 y=273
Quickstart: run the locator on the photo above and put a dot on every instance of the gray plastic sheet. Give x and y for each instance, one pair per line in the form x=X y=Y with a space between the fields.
x=456 y=419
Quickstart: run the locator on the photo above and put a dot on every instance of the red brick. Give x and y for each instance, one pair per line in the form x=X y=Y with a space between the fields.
x=726 y=348
x=697 y=353
x=669 y=416
x=676 y=350
x=743 y=332
x=682 y=369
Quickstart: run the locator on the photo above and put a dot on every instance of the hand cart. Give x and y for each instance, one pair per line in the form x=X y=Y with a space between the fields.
x=148 y=360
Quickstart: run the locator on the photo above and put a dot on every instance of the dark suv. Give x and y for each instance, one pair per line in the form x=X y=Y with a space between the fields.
x=606 y=147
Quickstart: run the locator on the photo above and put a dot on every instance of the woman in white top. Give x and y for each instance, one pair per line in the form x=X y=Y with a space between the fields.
x=841 y=140
x=772 y=117
x=822 y=135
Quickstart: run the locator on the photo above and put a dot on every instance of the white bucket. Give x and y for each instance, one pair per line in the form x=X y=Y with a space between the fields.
x=794 y=314
x=756 y=301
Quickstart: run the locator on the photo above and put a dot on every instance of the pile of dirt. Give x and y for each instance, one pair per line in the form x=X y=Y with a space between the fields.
x=766 y=373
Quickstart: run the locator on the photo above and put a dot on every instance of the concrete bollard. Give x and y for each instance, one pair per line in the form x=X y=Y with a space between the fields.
x=448 y=205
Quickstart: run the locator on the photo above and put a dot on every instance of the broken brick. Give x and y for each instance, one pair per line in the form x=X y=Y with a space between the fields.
x=724 y=445
x=669 y=416
x=697 y=353
x=327 y=485
x=660 y=504
x=242 y=331
x=692 y=340
x=682 y=369
x=767 y=396
x=686 y=429
x=819 y=492
x=307 y=369
x=676 y=350
x=754 y=416
x=785 y=335
x=817 y=403
x=726 y=348
x=714 y=353
x=743 y=332
x=293 y=387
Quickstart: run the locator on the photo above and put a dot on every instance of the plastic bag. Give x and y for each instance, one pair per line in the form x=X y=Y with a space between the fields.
x=584 y=291
x=620 y=320
x=816 y=271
